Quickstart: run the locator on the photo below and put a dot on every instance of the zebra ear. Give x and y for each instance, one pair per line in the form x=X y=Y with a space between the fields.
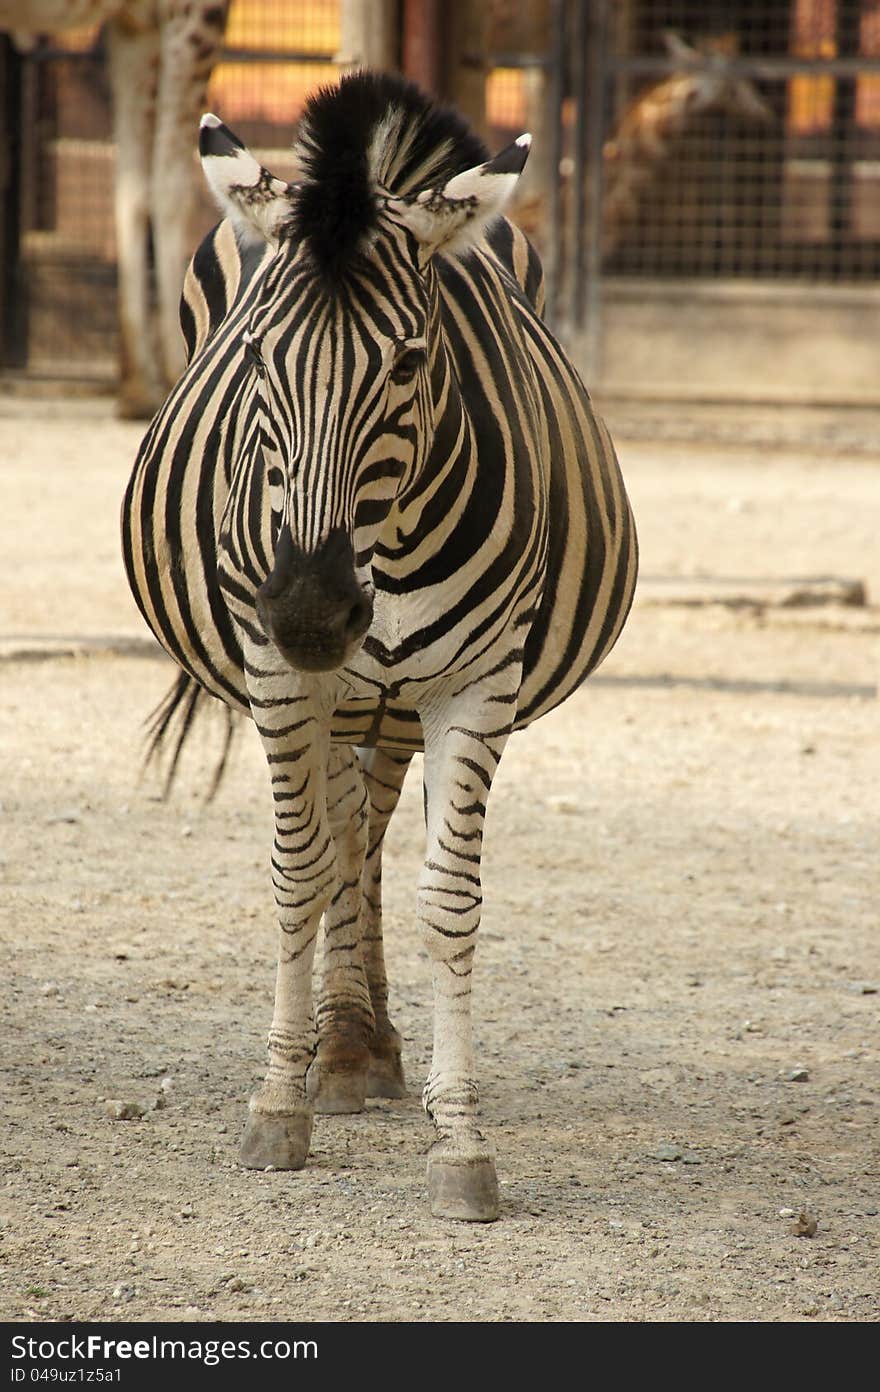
x=256 y=202
x=453 y=217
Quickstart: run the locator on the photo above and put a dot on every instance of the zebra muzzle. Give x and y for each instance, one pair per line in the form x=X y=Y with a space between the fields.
x=312 y=605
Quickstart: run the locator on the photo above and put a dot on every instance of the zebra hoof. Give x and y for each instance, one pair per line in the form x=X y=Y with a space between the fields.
x=336 y=1092
x=466 y=1190
x=279 y=1140
x=385 y=1075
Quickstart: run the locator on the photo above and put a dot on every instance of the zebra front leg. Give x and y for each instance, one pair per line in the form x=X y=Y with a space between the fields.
x=304 y=872
x=384 y=771
x=459 y=767
x=337 y=1080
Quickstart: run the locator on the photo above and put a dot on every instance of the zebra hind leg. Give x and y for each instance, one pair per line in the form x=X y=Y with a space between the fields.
x=336 y=1081
x=337 y=1078
x=384 y=771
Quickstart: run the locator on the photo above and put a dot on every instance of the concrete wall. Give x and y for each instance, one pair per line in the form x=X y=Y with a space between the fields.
x=796 y=343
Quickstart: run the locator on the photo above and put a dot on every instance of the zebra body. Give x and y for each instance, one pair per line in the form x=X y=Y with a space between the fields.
x=377 y=510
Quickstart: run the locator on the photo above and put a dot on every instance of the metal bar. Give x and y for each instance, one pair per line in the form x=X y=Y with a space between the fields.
x=13 y=322
x=555 y=96
x=578 y=182
x=47 y=54
x=520 y=60
x=425 y=45
x=620 y=65
x=283 y=55
x=840 y=190
x=760 y=68
x=592 y=268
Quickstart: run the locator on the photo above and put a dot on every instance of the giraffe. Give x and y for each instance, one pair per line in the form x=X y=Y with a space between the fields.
x=644 y=142
x=160 y=57
x=645 y=139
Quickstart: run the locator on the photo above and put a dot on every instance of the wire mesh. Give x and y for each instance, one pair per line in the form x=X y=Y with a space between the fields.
x=743 y=139
x=698 y=138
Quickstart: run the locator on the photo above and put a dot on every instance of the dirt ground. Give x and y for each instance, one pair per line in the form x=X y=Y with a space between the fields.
x=678 y=984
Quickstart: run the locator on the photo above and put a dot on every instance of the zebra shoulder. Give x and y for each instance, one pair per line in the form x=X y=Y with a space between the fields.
x=214 y=280
x=519 y=259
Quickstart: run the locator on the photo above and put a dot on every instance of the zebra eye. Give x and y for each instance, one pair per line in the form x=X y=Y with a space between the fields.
x=406 y=365
x=252 y=354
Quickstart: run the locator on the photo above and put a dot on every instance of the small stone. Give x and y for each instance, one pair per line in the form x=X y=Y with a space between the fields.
x=50 y=988
x=797 y=1075
x=805 y=1226
x=118 y=1110
x=786 y=1212
x=187 y=1211
x=666 y=1150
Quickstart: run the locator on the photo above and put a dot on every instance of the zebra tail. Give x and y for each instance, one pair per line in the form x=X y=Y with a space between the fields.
x=172 y=721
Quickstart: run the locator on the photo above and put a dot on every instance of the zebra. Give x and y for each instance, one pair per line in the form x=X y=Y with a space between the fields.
x=377 y=513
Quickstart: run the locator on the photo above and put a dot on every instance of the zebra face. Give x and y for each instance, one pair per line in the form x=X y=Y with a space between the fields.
x=344 y=387
x=344 y=342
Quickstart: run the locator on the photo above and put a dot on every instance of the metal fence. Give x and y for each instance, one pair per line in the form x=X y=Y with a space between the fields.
x=686 y=138
x=691 y=139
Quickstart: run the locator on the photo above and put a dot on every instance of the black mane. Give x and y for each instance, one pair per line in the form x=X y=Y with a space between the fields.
x=372 y=129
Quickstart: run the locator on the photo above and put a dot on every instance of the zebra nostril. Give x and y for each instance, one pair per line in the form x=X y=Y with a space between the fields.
x=360 y=615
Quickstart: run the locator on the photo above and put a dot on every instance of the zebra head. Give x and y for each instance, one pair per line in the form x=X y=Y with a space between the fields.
x=344 y=338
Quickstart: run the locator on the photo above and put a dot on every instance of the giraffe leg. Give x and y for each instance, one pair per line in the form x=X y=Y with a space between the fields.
x=460 y=762
x=337 y=1080
x=133 y=62
x=384 y=771
x=291 y=717
x=191 y=41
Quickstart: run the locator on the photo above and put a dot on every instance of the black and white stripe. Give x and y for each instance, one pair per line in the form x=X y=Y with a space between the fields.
x=379 y=511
